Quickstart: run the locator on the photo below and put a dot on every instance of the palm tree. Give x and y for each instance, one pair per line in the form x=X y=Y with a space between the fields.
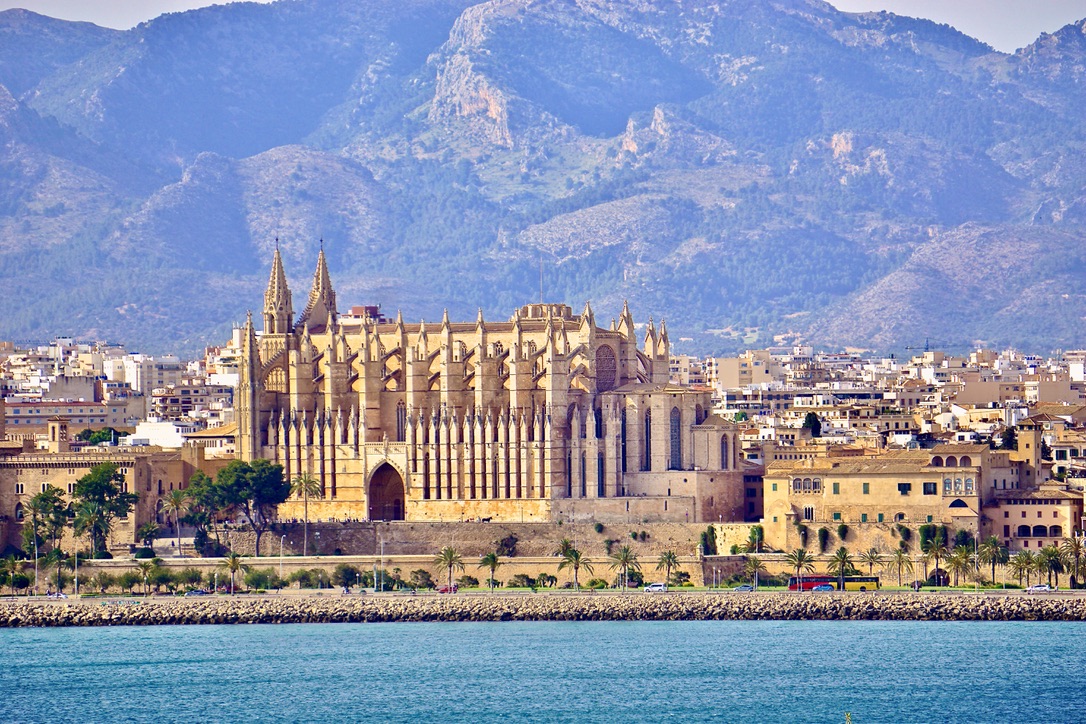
x=564 y=546
x=491 y=561
x=1051 y=561
x=305 y=485
x=841 y=564
x=667 y=561
x=991 y=552
x=233 y=564
x=1022 y=564
x=752 y=567
x=801 y=562
x=145 y=569
x=1074 y=551
x=12 y=567
x=91 y=518
x=176 y=504
x=935 y=550
x=960 y=561
x=871 y=558
x=573 y=559
x=625 y=559
x=450 y=559
x=900 y=560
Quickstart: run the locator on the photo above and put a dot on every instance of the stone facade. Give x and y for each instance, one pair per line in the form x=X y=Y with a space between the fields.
x=546 y=416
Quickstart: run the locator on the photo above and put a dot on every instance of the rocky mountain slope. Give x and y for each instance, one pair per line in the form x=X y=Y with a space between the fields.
x=753 y=171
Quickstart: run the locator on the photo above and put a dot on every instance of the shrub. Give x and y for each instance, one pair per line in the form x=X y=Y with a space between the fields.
x=104 y=556
x=311 y=578
x=346 y=575
x=21 y=581
x=467 y=582
x=129 y=580
x=162 y=577
x=963 y=538
x=842 y=532
x=823 y=539
x=633 y=535
x=708 y=542
x=643 y=536
x=507 y=546
x=421 y=578
x=634 y=580
x=598 y=527
x=521 y=581
x=608 y=544
x=596 y=583
x=144 y=553
x=262 y=578
x=904 y=531
x=734 y=549
x=546 y=580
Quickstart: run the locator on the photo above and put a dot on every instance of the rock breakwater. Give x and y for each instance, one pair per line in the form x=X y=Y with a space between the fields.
x=548 y=607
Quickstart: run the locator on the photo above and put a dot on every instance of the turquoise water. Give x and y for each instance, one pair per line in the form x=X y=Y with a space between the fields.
x=740 y=671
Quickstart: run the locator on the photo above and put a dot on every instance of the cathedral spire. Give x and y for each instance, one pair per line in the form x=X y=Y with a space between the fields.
x=320 y=312
x=278 y=312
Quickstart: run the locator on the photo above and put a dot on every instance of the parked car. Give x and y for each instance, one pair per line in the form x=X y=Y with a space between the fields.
x=447 y=589
x=1039 y=588
x=744 y=588
x=656 y=588
x=197 y=592
x=823 y=587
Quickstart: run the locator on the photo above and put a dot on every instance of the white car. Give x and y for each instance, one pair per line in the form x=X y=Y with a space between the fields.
x=656 y=588
x=1039 y=588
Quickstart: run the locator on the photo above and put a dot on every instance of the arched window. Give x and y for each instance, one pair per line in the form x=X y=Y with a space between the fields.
x=569 y=475
x=806 y=485
x=724 y=452
x=401 y=421
x=19 y=512
x=623 y=435
x=957 y=485
x=699 y=415
x=808 y=513
x=958 y=503
x=1039 y=531
x=948 y=486
x=969 y=489
x=1023 y=531
x=1055 y=531
x=647 y=464
x=676 y=439
x=965 y=462
x=951 y=461
x=816 y=485
x=606 y=369
x=797 y=485
x=937 y=462
x=584 y=476
x=899 y=518
x=598 y=415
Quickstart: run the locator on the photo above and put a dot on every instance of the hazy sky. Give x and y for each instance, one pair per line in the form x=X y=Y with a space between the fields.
x=1004 y=24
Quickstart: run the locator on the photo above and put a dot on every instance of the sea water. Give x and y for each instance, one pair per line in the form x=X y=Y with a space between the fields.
x=741 y=671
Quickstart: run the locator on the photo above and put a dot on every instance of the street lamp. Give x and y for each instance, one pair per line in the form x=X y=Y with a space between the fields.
x=281 y=539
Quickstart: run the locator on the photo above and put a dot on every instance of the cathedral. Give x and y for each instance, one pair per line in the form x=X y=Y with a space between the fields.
x=543 y=417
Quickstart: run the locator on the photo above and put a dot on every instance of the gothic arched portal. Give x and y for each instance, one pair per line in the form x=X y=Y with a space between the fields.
x=386 y=494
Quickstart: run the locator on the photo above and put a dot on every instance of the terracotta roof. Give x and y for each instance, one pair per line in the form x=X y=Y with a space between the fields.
x=230 y=429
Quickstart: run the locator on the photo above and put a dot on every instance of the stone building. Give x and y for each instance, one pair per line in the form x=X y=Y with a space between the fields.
x=545 y=416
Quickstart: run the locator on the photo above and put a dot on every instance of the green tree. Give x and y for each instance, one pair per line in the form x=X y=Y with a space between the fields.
x=668 y=560
x=176 y=504
x=191 y=577
x=129 y=580
x=343 y=575
x=207 y=500
x=841 y=565
x=1050 y=561
x=934 y=550
x=144 y=569
x=306 y=486
x=624 y=559
x=103 y=581
x=801 y=562
x=991 y=552
x=959 y=562
x=256 y=488
x=871 y=558
x=102 y=489
x=1073 y=552
x=901 y=561
x=812 y=422
x=753 y=567
x=11 y=568
x=233 y=564
x=575 y=561
x=148 y=532
x=48 y=514
x=1022 y=565
x=449 y=559
x=490 y=561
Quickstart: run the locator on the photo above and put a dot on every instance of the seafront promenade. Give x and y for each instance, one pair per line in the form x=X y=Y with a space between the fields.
x=633 y=606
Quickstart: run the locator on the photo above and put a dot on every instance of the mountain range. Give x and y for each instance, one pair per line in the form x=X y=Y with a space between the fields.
x=755 y=171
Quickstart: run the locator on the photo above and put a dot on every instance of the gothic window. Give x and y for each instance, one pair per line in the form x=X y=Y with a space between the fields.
x=584 y=476
x=401 y=421
x=808 y=513
x=599 y=477
x=699 y=415
x=569 y=475
x=276 y=381
x=623 y=434
x=647 y=465
x=19 y=511
x=598 y=414
x=676 y=439
x=606 y=369
x=723 y=452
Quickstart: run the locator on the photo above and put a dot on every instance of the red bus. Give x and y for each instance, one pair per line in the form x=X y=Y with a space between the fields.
x=852 y=583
